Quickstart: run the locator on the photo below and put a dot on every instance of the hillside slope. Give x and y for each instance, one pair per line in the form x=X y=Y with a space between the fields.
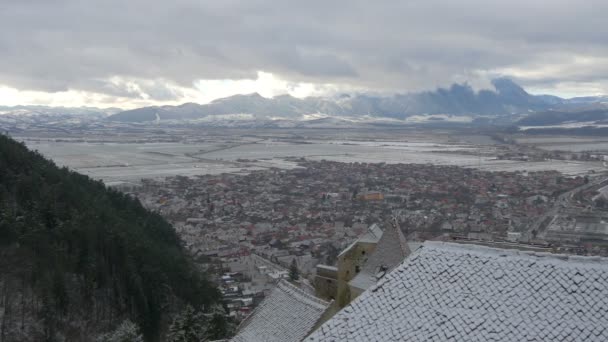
x=76 y=258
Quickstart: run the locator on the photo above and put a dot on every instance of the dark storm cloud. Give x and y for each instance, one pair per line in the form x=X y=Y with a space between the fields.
x=54 y=45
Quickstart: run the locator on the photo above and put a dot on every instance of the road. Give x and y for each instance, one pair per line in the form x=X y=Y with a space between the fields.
x=562 y=201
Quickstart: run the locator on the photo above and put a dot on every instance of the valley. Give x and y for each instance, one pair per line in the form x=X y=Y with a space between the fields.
x=128 y=158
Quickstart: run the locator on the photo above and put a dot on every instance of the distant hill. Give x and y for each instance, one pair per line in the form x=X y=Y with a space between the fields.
x=33 y=111
x=460 y=99
x=560 y=117
x=254 y=105
x=77 y=258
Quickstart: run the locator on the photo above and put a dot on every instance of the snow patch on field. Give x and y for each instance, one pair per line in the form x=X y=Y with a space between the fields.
x=438 y=117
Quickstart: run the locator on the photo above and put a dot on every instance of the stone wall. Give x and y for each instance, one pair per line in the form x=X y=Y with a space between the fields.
x=350 y=262
x=326 y=282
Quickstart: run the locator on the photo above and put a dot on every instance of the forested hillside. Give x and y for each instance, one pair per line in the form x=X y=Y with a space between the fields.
x=77 y=259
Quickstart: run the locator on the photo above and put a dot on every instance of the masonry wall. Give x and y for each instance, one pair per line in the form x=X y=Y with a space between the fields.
x=350 y=262
x=355 y=292
x=326 y=283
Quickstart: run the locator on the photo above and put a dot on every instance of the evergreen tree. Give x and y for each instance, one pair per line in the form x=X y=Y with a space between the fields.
x=219 y=327
x=127 y=331
x=188 y=326
x=294 y=273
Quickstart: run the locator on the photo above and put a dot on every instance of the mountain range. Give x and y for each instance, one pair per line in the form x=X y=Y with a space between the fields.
x=506 y=104
x=507 y=98
x=87 y=112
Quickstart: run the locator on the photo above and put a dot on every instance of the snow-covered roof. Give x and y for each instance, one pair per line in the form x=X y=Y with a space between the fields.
x=372 y=235
x=390 y=252
x=327 y=267
x=602 y=193
x=453 y=292
x=287 y=314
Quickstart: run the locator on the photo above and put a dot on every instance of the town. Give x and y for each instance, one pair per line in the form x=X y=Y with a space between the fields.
x=255 y=227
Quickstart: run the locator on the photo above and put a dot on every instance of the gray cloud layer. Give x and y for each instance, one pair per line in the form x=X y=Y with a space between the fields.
x=55 y=45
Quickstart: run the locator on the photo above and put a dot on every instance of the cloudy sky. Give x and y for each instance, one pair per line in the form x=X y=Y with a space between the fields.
x=140 y=52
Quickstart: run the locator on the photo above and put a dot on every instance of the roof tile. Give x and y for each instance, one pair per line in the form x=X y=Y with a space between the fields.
x=287 y=314
x=450 y=292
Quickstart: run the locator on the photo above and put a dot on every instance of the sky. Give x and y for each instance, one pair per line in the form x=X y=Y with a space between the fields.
x=116 y=53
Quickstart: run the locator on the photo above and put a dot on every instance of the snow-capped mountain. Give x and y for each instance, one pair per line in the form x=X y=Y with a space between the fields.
x=506 y=98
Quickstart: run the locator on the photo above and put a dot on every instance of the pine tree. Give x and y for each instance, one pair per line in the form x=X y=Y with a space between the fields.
x=219 y=326
x=127 y=331
x=294 y=273
x=188 y=326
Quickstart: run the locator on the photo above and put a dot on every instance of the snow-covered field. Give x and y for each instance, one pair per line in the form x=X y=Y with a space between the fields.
x=118 y=162
x=566 y=125
x=597 y=146
x=566 y=143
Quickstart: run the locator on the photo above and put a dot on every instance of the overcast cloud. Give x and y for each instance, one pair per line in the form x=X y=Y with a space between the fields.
x=129 y=53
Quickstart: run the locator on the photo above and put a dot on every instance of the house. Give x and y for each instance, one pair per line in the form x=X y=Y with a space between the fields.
x=537 y=199
x=288 y=314
x=390 y=251
x=362 y=264
x=371 y=196
x=453 y=292
x=326 y=282
x=513 y=236
x=602 y=194
x=352 y=259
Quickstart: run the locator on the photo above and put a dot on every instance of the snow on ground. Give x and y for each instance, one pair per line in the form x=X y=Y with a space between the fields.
x=115 y=162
